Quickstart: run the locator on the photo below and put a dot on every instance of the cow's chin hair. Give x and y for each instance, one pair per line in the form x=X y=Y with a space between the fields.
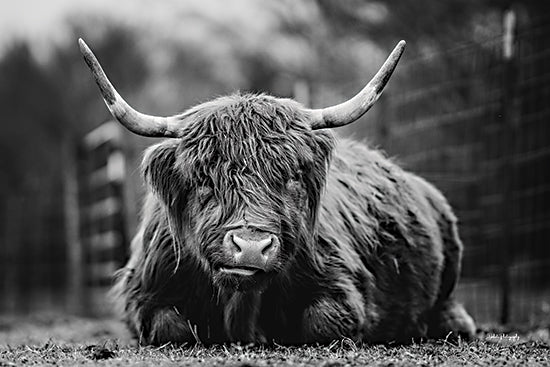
x=229 y=283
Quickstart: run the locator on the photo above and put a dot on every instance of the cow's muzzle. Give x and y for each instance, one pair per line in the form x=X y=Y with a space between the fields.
x=250 y=251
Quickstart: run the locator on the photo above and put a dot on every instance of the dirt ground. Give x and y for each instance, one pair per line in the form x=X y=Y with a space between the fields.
x=67 y=341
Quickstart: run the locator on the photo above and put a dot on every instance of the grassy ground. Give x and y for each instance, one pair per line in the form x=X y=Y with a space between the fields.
x=72 y=341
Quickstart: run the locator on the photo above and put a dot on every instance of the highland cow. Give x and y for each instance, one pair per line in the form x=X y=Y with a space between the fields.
x=260 y=226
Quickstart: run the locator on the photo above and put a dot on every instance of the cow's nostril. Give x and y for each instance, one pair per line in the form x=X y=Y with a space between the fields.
x=265 y=245
x=235 y=242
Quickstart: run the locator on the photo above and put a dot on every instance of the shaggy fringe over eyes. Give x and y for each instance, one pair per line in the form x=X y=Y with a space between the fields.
x=243 y=150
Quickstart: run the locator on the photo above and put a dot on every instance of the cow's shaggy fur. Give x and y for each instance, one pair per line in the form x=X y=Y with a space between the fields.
x=368 y=251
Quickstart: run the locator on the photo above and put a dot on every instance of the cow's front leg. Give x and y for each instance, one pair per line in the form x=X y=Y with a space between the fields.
x=241 y=318
x=169 y=326
x=328 y=319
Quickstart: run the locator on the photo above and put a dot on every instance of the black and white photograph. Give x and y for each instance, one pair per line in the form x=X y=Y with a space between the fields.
x=275 y=183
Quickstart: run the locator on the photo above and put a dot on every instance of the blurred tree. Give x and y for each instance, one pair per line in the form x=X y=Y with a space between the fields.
x=429 y=27
x=116 y=47
x=440 y=23
x=28 y=140
x=46 y=104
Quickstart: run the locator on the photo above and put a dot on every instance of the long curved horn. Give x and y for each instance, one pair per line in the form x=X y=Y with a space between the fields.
x=349 y=111
x=136 y=122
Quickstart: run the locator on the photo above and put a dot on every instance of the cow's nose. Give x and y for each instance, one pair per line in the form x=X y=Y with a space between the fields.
x=251 y=251
x=252 y=246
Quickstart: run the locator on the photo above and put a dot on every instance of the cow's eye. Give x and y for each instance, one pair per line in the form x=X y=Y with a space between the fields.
x=296 y=192
x=295 y=187
x=295 y=182
x=297 y=176
x=204 y=193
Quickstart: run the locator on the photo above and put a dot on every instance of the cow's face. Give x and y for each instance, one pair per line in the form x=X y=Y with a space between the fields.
x=242 y=185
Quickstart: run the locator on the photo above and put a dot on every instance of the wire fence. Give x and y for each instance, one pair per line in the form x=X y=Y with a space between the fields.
x=475 y=122
x=32 y=251
x=61 y=242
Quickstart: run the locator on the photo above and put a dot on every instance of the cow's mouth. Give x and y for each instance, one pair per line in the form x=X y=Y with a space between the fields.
x=240 y=270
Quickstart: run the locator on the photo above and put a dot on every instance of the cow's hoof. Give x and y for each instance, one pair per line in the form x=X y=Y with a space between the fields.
x=327 y=320
x=452 y=322
x=168 y=326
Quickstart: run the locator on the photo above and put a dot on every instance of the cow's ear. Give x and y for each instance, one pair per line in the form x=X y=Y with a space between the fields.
x=159 y=169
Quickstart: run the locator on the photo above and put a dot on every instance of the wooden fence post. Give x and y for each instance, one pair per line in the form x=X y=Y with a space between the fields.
x=72 y=225
x=102 y=211
x=506 y=167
